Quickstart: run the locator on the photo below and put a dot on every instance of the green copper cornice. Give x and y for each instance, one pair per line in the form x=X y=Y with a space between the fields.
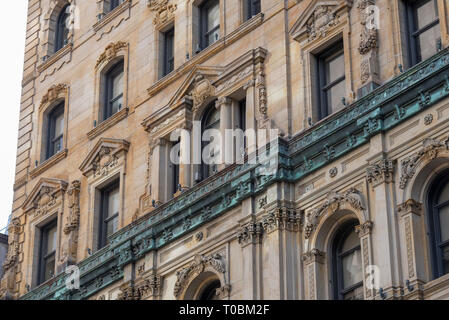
x=387 y=106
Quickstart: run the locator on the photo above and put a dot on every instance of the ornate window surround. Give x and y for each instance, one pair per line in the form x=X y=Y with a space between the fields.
x=105 y=163
x=321 y=223
x=45 y=203
x=321 y=24
x=53 y=61
x=54 y=95
x=113 y=53
x=110 y=20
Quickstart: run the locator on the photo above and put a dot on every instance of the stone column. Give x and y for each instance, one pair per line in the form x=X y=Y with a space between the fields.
x=313 y=264
x=251 y=125
x=369 y=274
x=223 y=104
x=159 y=170
x=185 y=159
x=410 y=215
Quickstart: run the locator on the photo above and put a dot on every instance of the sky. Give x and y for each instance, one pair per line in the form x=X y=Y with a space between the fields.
x=12 y=34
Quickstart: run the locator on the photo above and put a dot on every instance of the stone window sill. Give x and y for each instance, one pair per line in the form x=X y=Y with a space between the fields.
x=48 y=163
x=55 y=57
x=108 y=123
x=108 y=17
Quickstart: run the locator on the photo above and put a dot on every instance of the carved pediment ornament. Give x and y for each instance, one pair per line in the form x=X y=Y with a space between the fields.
x=332 y=205
x=163 y=10
x=429 y=151
x=200 y=262
x=202 y=90
x=110 y=52
x=104 y=157
x=322 y=19
x=53 y=93
x=45 y=196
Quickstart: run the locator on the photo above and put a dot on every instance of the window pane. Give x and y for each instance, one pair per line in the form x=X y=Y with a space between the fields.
x=356 y=294
x=425 y=14
x=117 y=85
x=111 y=227
x=352 y=269
x=334 y=96
x=444 y=223
x=446 y=259
x=427 y=42
x=213 y=17
x=51 y=240
x=335 y=68
x=49 y=268
x=113 y=203
x=59 y=125
x=352 y=241
x=444 y=195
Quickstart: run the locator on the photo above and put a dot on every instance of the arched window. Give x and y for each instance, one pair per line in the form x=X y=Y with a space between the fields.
x=209 y=292
x=113 y=89
x=62 y=32
x=211 y=120
x=347 y=264
x=438 y=205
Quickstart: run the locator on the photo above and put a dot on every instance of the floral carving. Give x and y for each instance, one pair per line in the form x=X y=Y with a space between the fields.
x=250 y=233
x=53 y=93
x=332 y=205
x=110 y=52
x=322 y=20
x=202 y=90
x=200 y=262
x=429 y=151
x=281 y=219
x=104 y=162
x=163 y=10
x=128 y=292
x=368 y=36
x=364 y=229
x=428 y=119
x=380 y=172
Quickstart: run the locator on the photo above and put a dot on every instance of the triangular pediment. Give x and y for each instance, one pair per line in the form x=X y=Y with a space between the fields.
x=197 y=75
x=317 y=18
x=44 y=192
x=103 y=151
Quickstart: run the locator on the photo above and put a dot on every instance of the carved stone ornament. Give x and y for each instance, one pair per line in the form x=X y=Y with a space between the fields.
x=200 y=262
x=163 y=10
x=313 y=255
x=53 y=93
x=364 y=229
x=322 y=20
x=104 y=157
x=44 y=201
x=429 y=151
x=332 y=205
x=14 y=229
x=110 y=52
x=250 y=233
x=380 y=172
x=150 y=286
x=203 y=89
x=74 y=207
x=282 y=219
x=368 y=35
x=128 y=292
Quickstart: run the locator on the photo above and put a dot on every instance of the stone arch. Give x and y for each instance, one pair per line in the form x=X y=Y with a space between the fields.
x=50 y=21
x=202 y=271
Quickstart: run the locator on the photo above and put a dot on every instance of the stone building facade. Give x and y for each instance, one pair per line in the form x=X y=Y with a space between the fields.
x=350 y=203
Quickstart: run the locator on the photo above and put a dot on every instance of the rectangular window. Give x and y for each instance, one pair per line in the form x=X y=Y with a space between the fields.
x=115 y=4
x=47 y=252
x=114 y=91
x=169 y=52
x=331 y=80
x=210 y=23
x=55 y=131
x=252 y=8
x=109 y=212
x=423 y=29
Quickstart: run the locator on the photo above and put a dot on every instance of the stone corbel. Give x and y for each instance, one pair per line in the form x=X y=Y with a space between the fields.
x=250 y=233
x=282 y=219
x=128 y=292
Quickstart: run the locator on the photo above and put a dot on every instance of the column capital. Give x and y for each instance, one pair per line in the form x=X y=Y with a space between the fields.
x=249 y=84
x=312 y=256
x=364 y=228
x=410 y=206
x=222 y=101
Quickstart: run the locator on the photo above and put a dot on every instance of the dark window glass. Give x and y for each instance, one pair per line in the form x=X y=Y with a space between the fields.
x=114 y=91
x=110 y=203
x=62 y=32
x=347 y=264
x=211 y=120
x=439 y=224
x=169 y=55
x=331 y=80
x=115 y=4
x=210 y=291
x=424 y=29
x=242 y=119
x=210 y=23
x=252 y=8
x=55 y=130
x=47 y=252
